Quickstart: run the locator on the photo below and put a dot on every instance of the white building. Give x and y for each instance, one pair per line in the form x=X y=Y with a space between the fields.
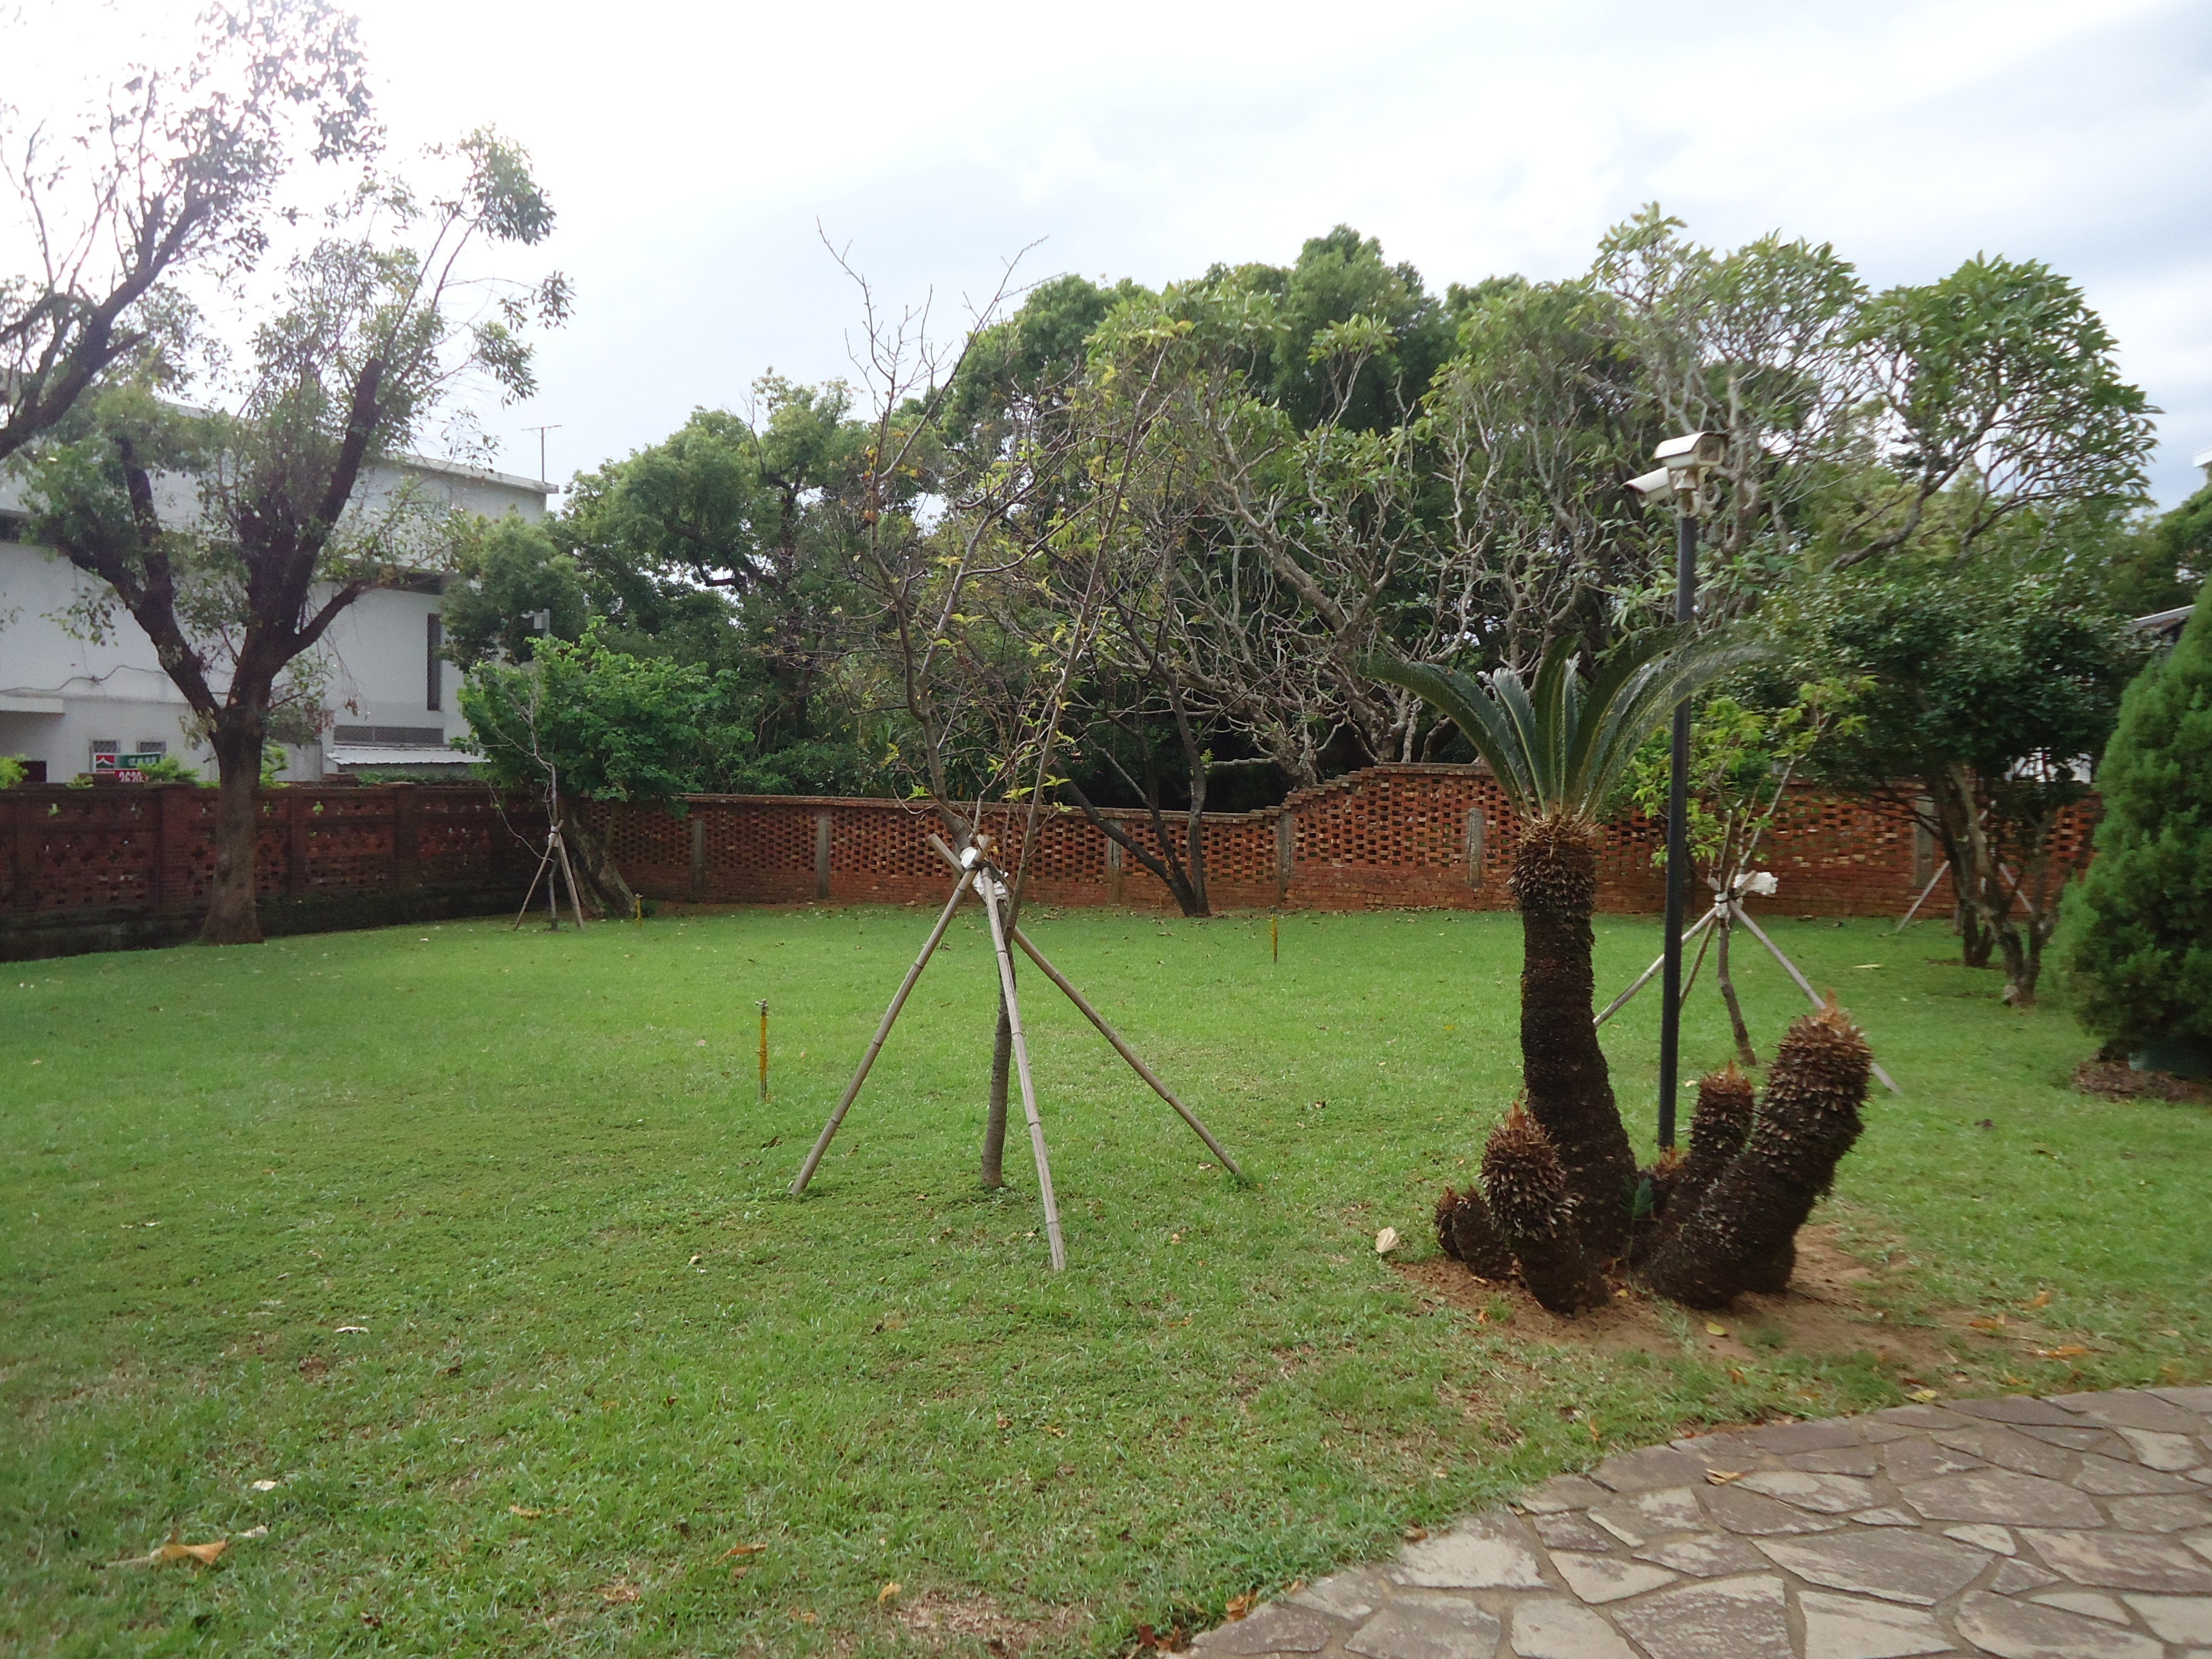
x=73 y=706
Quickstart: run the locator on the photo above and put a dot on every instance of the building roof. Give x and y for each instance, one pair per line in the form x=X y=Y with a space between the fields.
x=2166 y=623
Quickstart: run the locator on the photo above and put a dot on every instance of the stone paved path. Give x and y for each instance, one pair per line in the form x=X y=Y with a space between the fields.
x=2078 y=1527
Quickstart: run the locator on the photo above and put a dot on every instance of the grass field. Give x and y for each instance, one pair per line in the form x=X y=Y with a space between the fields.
x=602 y=1347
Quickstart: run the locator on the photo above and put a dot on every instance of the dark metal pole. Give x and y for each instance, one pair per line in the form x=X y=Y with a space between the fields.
x=1678 y=839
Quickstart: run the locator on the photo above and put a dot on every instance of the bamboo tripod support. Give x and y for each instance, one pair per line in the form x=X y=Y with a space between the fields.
x=975 y=870
x=1730 y=913
x=552 y=866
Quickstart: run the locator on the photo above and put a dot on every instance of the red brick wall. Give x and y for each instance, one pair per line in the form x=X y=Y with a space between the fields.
x=1388 y=837
x=138 y=853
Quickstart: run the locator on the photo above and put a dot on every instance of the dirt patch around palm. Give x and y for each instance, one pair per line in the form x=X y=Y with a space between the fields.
x=2116 y=1080
x=1827 y=1311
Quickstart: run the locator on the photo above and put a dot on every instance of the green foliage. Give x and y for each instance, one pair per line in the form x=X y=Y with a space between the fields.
x=591 y=721
x=1742 y=753
x=12 y=771
x=1561 y=748
x=170 y=769
x=508 y=572
x=2138 y=931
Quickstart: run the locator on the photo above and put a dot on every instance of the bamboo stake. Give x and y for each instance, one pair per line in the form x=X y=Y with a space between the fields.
x=543 y=858
x=575 y=903
x=989 y=889
x=1274 y=936
x=1803 y=984
x=764 y=1053
x=1644 y=978
x=1107 y=1031
x=1922 y=899
x=891 y=1013
x=1126 y=1052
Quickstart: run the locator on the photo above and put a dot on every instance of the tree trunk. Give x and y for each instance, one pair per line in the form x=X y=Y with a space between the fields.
x=993 y=1171
x=234 y=914
x=1554 y=882
x=1746 y=1056
x=592 y=860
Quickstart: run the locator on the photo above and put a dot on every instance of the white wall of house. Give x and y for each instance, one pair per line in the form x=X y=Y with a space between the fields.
x=62 y=694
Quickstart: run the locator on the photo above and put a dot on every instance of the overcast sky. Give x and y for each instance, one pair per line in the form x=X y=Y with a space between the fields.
x=691 y=150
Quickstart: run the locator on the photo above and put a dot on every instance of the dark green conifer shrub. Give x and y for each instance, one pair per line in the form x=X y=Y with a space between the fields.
x=2137 y=936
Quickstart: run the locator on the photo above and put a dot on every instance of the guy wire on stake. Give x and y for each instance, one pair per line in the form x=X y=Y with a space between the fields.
x=974 y=867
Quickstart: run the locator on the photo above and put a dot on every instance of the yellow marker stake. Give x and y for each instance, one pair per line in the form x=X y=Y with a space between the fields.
x=638 y=911
x=763 y=1052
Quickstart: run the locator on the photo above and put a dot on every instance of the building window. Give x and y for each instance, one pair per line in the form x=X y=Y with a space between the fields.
x=437 y=663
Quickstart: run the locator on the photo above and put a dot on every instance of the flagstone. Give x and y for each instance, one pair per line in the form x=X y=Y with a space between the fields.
x=2160 y=1514
x=1742 y=1618
x=1428 y=1626
x=1908 y=1461
x=2175 y=1618
x=1483 y=1555
x=2015 y=1577
x=2108 y=1476
x=2172 y=1452
x=2004 y=1497
x=2128 y=1408
x=1560 y=1629
x=2020 y=1629
x=2016 y=1408
x=1825 y=1494
x=1984 y=1537
x=2009 y=1448
x=1705 y=1555
x=2121 y=1560
x=1646 y=1515
x=2090 y=1604
x=1845 y=1627
x=1844 y=1460
x=1350 y=1596
x=1278 y=1628
x=1760 y=1516
x=1896 y=1566
x=1601 y=1578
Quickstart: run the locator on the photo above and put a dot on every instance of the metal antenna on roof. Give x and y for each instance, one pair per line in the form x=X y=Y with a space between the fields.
x=541 y=431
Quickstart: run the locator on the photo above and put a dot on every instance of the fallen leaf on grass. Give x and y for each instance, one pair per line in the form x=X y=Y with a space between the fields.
x=1722 y=1477
x=1712 y=1329
x=258 y=1532
x=1924 y=1395
x=744 y=1549
x=2063 y=1351
x=1238 y=1606
x=264 y=1485
x=619 y=1593
x=1386 y=1241
x=891 y=1590
x=527 y=1514
x=1414 y=1534
x=205 y=1554
x=2041 y=1299
x=352 y=1330
x=1989 y=1322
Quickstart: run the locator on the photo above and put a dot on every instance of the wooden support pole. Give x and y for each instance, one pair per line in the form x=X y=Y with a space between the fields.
x=989 y=889
x=575 y=903
x=1644 y=978
x=543 y=858
x=890 y=1014
x=1126 y=1052
x=763 y=1052
x=1906 y=921
x=1803 y=984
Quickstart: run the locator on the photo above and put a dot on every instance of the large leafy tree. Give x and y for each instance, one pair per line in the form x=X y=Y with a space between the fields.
x=174 y=173
x=278 y=535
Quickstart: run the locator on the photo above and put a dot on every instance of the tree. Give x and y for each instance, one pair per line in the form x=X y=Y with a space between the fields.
x=1991 y=686
x=1558 y=750
x=1743 y=755
x=2000 y=393
x=2137 y=941
x=176 y=174
x=279 y=537
x=513 y=585
x=582 y=722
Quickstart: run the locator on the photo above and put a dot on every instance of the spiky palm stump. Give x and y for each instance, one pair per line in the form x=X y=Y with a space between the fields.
x=1742 y=1236
x=1467 y=1232
x=1529 y=1200
x=1569 y=1092
x=1720 y=1123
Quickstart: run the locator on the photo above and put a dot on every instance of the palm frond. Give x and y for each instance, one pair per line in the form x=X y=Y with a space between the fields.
x=1562 y=746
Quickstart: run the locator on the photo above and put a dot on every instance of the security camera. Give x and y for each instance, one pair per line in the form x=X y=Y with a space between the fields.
x=1660 y=481
x=1693 y=451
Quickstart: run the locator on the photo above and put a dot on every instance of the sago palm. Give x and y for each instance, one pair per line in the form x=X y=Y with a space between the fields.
x=1559 y=749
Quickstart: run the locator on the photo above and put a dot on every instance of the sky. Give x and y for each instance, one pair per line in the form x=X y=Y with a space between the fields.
x=699 y=154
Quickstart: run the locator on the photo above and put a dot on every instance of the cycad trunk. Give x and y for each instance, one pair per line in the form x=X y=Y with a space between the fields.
x=1569 y=1091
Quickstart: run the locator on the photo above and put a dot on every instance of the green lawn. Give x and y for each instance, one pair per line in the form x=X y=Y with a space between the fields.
x=603 y=1347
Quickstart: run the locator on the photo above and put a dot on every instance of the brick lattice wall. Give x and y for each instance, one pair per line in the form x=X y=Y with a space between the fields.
x=131 y=863
x=1438 y=836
